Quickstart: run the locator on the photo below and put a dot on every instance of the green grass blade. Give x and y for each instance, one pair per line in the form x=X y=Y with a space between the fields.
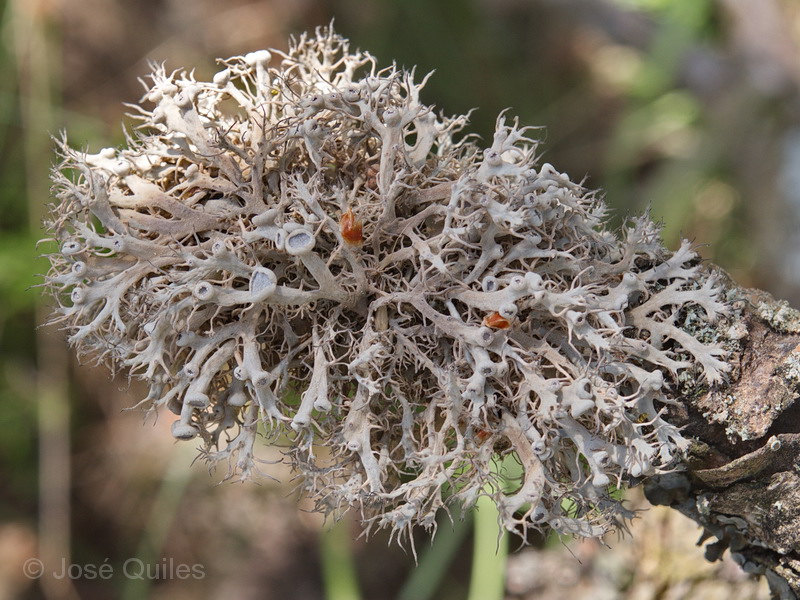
x=338 y=565
x=427 y=577
x=489 y=555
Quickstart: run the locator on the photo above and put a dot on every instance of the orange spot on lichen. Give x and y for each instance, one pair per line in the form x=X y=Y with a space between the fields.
x=496 y=321
x=351 y=228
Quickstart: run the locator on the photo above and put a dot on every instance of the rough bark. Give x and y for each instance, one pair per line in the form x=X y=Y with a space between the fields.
x=742 y=477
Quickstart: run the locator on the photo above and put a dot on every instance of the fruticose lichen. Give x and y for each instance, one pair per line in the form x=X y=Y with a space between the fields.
x=301 y=249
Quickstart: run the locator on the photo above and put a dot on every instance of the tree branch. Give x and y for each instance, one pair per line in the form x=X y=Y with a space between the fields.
x=741 y=481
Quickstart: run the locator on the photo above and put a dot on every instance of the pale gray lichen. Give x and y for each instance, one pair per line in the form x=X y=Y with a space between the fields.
x=779 y=315
x=489 y=311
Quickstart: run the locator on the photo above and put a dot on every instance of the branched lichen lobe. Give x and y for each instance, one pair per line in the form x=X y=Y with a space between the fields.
x=301 y=242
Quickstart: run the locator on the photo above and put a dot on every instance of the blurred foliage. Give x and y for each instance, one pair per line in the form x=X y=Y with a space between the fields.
x=683 y=106
x=18 y=266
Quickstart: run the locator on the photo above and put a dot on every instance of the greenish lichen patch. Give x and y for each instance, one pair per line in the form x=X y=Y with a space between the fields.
x=789 y=371
x=779 y=315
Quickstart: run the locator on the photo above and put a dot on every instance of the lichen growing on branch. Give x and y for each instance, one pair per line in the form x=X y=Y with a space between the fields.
x=301 y=248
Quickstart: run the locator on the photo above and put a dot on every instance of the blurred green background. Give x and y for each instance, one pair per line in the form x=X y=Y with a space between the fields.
x=688 y=107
